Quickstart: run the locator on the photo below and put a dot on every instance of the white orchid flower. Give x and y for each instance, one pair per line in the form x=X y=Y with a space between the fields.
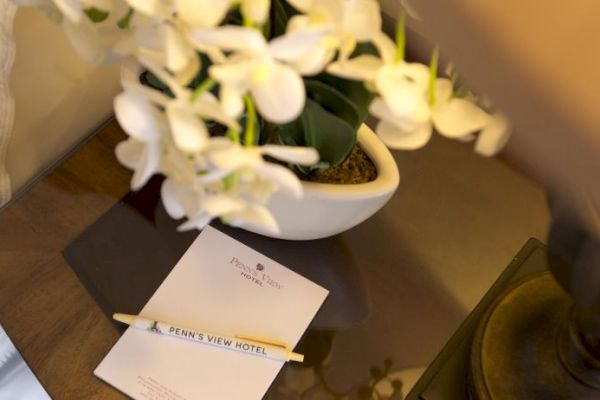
x=185 y=112
x=452 y=117
x=346 y=23
x=146 y=126
x=402 y=93
x=227 y=157
x=494 y=136
x=211 y=13
x=259 y=68
x=208 y=197
x=202 y=206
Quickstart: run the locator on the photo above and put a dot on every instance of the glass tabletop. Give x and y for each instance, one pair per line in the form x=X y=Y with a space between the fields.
x=401 y=282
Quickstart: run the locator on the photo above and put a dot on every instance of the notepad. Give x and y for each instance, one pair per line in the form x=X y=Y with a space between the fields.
x=219 y=285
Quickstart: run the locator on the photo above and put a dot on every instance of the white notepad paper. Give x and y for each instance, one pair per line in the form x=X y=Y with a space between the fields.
x=221 y=286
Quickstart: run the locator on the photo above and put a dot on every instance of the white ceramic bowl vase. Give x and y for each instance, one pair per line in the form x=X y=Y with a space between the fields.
x=329 y=209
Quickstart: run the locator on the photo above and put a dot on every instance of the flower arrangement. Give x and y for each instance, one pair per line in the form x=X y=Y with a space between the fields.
x=288 y=82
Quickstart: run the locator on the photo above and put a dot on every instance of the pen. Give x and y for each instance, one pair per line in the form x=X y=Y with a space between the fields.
x=245 y=344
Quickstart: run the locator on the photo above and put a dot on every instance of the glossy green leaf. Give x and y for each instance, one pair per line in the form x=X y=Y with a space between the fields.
x=292 y=133
x=333 y=101
x=332 y=136
x=280 y=19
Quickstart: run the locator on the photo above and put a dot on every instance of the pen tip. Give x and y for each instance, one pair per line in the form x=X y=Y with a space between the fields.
x=296 y=357
x=124 y=318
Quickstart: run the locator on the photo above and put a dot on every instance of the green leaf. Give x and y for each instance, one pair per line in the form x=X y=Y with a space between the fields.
x=280 y=19
x=123 y=23
x=353 y=90
x=155 y=83
x=292 y=133
x=333 y=101
x=332 y=136
x=96 y=15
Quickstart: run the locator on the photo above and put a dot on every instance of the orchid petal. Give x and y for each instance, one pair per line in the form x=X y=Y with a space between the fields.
x=213 y=176
x=281 y=98
x=231 y=38
x=129 y=152
x=291 y=154
x=236 y=74
x=385 y=46
x=396 y=138
x=443 y=91
x=493 y=137
x=459 y=117
x=149 y=7
x=178 y=52
x=169 y=193
x=282 y=177
x=184 y=76
x=164 y=77
x=313 y=61
x=137 y=116
x=407 y=122
x=419 y=73
x=130 y=80
x=231 y=101
x=254 y=216
x=256 y=11
x=189 y=132
x=210 y=109
x=202 y=13
x=143 y=158
x=361 y=68
x=197 y=222
x=402 y=95
x=233 y=157
x=221 y=204
x=293 y=46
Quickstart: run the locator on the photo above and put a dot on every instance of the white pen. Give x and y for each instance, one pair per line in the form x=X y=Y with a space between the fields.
x=250 y=345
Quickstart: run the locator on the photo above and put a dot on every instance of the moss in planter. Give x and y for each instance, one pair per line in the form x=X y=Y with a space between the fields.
x=357 y=168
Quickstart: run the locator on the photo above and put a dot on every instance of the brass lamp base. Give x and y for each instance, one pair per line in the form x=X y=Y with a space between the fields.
x=515 y=349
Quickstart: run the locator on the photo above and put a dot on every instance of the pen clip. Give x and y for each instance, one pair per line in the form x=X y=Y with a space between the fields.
x=261 y=340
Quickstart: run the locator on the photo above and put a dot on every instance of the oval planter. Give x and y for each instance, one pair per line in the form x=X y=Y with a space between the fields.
x=328 y=209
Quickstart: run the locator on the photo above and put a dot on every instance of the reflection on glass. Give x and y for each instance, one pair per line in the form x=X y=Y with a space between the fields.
x=17 y=382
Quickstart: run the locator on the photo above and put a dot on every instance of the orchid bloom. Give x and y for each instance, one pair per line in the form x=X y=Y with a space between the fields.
x=185 y=112
x=203 y=13
x=346 y=23
x=227 y=157
x=401 y=86
x=146 y=126
x=412 y=102
x=209 y=196
x=258 y=68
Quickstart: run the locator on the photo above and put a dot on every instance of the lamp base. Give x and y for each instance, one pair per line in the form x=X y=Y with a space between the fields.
x=514 y=352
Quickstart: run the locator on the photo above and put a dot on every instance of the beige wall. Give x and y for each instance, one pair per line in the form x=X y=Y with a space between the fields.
x=59 y=99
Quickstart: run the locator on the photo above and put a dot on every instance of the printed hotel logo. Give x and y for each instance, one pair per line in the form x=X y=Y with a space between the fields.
x=256 y=275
